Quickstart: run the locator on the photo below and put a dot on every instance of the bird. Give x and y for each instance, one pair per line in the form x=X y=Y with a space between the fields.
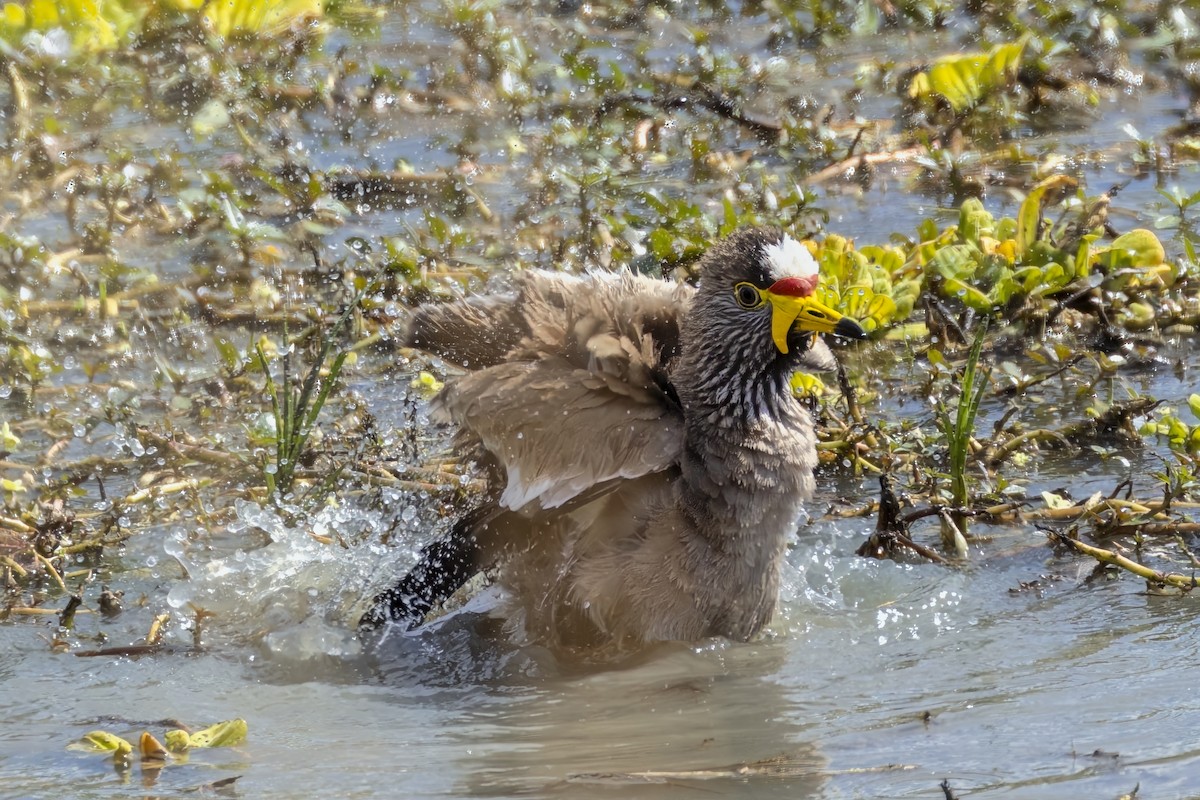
x=646 y=458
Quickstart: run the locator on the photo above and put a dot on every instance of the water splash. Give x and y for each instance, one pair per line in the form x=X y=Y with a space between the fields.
x=299 y=595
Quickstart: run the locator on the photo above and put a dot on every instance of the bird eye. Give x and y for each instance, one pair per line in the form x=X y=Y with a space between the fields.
x=747 y=295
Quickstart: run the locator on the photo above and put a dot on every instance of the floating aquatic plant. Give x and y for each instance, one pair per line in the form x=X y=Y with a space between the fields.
x=965 y=80
x=990 y=265
x=93 y=26
x=863 y=284
x=1183 y=437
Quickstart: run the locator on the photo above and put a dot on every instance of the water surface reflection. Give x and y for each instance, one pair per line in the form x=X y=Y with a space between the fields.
x=709 y=719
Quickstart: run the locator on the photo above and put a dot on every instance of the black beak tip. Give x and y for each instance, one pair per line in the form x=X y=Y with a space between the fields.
x=849 y=329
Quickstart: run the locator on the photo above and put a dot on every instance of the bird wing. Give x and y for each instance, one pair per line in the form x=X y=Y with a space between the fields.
x=585 y=396
x=475 y=333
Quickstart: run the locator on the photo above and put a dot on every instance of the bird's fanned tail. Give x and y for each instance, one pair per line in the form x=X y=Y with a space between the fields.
x=445 y=565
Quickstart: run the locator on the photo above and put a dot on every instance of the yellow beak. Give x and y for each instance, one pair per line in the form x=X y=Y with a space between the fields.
x=807 y=314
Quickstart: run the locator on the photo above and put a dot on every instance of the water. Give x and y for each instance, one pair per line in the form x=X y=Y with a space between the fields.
x=876 y=680
x=1022 y=675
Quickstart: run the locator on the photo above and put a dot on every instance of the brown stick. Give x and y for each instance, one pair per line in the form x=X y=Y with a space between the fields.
x=1153 y=576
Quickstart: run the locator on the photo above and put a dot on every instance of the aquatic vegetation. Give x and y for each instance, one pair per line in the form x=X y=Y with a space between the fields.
x=865 y=284
x=174 y=751
x=89 y=25
x=1013 y=268
x=965 y=80
x=92 y=26
x=1182 y=436
x=1016 y=267
x=959 y=431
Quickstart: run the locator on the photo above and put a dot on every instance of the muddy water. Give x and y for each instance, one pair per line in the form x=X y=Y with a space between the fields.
x=876 y=680
x=1016 y=677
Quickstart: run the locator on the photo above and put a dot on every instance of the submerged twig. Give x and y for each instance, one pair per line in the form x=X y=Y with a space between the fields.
x=1152 y=576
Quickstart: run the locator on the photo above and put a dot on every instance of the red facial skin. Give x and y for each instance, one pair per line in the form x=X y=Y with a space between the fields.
x=795 y=287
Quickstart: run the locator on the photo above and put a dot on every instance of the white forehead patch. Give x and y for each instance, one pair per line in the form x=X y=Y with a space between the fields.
x=790 y=259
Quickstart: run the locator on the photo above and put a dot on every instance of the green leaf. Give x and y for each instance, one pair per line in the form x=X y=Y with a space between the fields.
x=966 y=79
x=969 y=295
x=212 y=117
x=178 y=741
x=1139 y=248
x=1053 y=278
x=103 y=742
x=223 y=734
x=730 y=222
x=956 y=261
x=1029 y=217
x=974 y=221
x=1194 y=405
x=662 y=244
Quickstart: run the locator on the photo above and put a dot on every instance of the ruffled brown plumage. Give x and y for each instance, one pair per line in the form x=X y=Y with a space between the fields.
x=649 y=460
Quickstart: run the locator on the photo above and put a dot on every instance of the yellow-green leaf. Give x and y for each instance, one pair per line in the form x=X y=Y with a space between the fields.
x=873 y=311
x=426 y=384
x=14 y=16
x=1138 y=248
x=103 y=742
x=1055 y=501
x=43 y=14
x=1002 y=63
x=9 y=441
x=1137 y=316
x=1029 y=217
x=918 y=331
x=968 y=294
x=807 y=385
x=964 y=80
x=223 y=734
x=957 y=79
x=178 y=741
x=1194 y=405
x=212 y=117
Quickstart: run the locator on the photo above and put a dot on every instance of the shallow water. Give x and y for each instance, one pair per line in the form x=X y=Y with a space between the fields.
x=875 y=680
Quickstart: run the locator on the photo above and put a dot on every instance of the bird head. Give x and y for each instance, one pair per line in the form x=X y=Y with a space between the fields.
x=760 y=280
